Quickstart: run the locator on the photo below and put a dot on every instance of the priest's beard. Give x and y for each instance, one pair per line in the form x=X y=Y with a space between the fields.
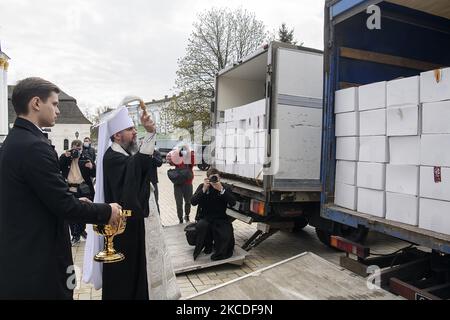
x=130 y=147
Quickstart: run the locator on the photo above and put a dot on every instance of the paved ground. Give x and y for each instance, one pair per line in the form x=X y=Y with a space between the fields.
x=280 y=246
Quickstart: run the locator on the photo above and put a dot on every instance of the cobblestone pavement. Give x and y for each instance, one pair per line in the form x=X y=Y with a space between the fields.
x=280 y=246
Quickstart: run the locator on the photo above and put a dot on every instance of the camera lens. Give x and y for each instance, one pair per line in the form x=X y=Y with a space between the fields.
x=75 y=153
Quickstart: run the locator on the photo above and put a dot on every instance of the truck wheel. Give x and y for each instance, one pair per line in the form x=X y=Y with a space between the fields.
x=300 y=223
x=357 y=235
x=324 y=237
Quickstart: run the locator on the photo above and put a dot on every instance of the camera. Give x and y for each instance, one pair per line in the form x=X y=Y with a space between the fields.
x=75 y=153
x=213 y=179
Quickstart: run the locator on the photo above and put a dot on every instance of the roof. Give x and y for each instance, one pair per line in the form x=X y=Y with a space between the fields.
x=69 y=111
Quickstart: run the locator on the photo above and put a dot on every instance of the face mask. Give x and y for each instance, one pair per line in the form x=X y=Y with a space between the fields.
x=86 y=144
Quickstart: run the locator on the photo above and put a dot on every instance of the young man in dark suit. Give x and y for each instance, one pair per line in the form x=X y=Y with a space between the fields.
x=35 y=205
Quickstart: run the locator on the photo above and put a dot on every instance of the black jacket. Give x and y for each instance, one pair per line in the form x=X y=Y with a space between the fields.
x=212 y=205
x=90 y=153
x=35 y=252
x=156 y=162
x=65 y=164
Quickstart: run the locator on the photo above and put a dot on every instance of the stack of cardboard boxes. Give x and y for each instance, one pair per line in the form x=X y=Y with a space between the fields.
x=402 y=172
x=373 y=150
x=347 y=148
x=393 y=150
x=241 y=140
x=434 y=212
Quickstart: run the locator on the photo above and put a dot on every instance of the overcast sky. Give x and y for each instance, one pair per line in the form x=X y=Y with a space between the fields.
x=99 y=51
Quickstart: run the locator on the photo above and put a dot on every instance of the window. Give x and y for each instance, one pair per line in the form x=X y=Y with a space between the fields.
x=66 y=144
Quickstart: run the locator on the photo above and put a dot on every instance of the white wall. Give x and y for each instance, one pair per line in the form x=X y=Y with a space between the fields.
x=67 y=131
x=3 y=99
x=300 y=73
x=233 y=92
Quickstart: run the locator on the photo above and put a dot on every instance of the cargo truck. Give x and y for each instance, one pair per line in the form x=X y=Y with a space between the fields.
x=268 y=114
x=394 y=52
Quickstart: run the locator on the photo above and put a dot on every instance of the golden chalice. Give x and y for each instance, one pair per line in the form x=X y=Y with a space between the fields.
x=109 y=254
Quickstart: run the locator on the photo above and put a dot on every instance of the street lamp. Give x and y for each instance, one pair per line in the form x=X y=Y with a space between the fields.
x=77 y=134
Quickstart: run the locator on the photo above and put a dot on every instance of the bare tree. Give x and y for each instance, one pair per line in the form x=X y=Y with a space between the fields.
x=220 y=37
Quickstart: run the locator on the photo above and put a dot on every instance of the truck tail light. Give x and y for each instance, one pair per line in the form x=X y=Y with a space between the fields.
x=349 y=247
x=257 y=207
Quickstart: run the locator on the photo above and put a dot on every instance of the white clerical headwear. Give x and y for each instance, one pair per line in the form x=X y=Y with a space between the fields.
x=119 y=120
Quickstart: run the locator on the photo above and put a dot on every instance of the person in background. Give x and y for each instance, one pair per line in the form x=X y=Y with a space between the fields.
x=214 y=228
x=78 y=169
x=182 y=157
x=157 y=162
x=88 y=150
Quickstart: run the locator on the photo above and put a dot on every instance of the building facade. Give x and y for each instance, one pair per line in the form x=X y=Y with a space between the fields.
x=4 y=63
x=70 y=125
x=156 y=108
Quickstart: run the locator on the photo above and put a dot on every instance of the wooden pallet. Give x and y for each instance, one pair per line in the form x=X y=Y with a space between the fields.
x=181 y=252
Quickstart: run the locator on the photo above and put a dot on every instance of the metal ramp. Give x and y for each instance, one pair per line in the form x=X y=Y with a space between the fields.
x=181 y=252
x=302 y=277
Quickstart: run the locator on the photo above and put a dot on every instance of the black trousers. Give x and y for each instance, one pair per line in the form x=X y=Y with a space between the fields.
x=77 y=229
x=156 y=196
x=181 y=192
x=216 y=234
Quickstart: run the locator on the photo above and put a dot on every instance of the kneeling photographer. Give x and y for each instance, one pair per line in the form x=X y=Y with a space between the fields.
x=78 y=170
x=214 y=228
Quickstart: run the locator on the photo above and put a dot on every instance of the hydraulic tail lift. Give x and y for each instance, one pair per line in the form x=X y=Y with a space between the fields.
x=409 y=272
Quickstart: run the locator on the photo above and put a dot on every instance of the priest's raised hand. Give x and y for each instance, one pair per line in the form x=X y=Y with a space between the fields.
x=147 y=122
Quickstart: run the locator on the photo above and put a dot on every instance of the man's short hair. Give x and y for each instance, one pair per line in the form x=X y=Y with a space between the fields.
x=87 y=138
x=76 y=143
x=212 y=171
x=27 y=89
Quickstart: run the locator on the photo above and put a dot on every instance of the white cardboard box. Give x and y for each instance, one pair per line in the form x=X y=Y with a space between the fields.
x=345 y=196
x=372 y=122
x=372 y=96
x=261 y=155
x=432 y=90
x=371 y=175
x=230 y=156
x=436 y=117
x=403 y=91
x=220 y=139
x=231 y=140
x=228 y=115
x=402 y=208
x=346 y=172
x=404 y=150
x=261 y=139
x=346 y=100
x=402 y=179
x=252 y=155
x=434 y=190
x=220 y=154
x=257 y=108
x=435 y=150
x=374 y=149
x=347 y=148
x=240 y=155
x=403 y=121
x=347 y=124
x=258 y=172
x=372 y=202
x=434 y=215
